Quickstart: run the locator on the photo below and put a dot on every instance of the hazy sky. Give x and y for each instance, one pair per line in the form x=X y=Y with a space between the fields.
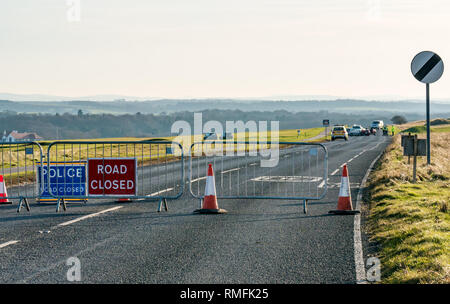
x=221 y=48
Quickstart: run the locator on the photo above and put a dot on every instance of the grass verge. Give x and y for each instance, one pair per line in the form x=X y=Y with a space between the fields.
x=410 y=223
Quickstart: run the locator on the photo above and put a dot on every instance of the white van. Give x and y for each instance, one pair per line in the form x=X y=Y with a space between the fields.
x=377 y=124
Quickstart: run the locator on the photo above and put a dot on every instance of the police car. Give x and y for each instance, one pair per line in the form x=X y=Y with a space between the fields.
x=339 y=131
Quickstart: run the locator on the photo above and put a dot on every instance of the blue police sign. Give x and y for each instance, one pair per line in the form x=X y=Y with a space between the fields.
x=66 y=180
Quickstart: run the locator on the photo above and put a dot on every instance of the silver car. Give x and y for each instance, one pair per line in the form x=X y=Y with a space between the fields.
x=356 y=130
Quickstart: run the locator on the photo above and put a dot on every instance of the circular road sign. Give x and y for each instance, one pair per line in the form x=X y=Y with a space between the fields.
x=427 y=67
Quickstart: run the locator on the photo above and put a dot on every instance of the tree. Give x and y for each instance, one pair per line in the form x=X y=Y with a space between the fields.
x=399 y=120
x=80 y=113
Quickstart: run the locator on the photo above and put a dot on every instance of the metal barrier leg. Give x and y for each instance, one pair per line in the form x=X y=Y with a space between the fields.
x=161 y=201
x=58 y=204
x=305 y=206
x=21 y=201
x=20 y=205
x=26 y=204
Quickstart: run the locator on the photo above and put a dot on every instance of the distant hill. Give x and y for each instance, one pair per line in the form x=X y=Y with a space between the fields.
x=81 y=125
x=174 y=105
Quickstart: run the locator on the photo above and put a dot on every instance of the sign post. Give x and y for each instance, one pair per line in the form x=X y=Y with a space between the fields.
x=326 y=123
x=427 y=67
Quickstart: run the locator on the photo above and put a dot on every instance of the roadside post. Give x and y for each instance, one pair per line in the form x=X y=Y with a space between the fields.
x=326 y=123
x=427 y=67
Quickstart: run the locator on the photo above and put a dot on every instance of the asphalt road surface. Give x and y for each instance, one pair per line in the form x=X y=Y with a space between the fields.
x=257 y=241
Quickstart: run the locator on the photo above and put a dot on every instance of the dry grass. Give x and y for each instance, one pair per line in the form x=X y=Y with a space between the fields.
x=410 y=222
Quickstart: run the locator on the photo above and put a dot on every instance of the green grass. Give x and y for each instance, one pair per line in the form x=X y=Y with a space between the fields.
x=409 y=222
x=66 y=152
x=423 y=129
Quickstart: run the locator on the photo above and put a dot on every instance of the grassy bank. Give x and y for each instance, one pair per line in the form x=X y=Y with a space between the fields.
x=410 y=223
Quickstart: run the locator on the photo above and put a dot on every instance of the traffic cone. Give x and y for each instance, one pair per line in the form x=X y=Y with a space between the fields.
x=345 y=199
x=3 y=192
x=210 y=199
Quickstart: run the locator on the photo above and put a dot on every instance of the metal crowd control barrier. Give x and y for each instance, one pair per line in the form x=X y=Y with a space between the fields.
x=19 y=163
x=137 y=170
x=299 y=173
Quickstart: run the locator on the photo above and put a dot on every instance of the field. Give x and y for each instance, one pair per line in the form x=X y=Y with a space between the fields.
x=18 y=161
x=410 y=222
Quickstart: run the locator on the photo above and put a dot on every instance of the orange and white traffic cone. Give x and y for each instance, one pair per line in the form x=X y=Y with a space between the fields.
x=345 y=200
x=3 y=193
x=210 y=204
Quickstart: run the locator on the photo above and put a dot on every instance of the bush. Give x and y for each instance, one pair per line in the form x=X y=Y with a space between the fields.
x=399 y=120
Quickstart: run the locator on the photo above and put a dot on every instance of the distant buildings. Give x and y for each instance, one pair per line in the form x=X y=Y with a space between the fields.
x=15 y=136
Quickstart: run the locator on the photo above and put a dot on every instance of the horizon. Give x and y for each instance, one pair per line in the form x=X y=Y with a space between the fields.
x=285 y=98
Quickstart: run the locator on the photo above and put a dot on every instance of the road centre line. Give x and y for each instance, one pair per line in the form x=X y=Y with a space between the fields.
x=8 y=243
x=335 y=171
x=162 y=191
x=359 y=154
x=231 y=170
x=322 y=183
x=88 y=216
x=197 y=179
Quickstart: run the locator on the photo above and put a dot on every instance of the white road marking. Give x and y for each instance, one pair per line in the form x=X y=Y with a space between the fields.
x=231 y=170
x=88 y=216
x=335 y=171
x=332 y=185
x=8 y=243
x=359 y=154
x=358 y=250
x=162 y=191
x=287 y=179
x=197 y=179
x=322 y=184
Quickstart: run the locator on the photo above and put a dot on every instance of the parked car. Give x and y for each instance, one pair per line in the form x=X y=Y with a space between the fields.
x=366 y=132
x=356 y=130
x=339 y=132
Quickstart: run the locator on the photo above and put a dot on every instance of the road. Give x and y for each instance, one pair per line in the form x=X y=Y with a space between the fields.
x=257 y=241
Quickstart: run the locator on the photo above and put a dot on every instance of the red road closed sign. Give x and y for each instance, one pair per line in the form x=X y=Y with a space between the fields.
x=112 y=176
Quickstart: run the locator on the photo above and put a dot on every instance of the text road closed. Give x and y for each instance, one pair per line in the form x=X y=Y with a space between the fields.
x=112 y=176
